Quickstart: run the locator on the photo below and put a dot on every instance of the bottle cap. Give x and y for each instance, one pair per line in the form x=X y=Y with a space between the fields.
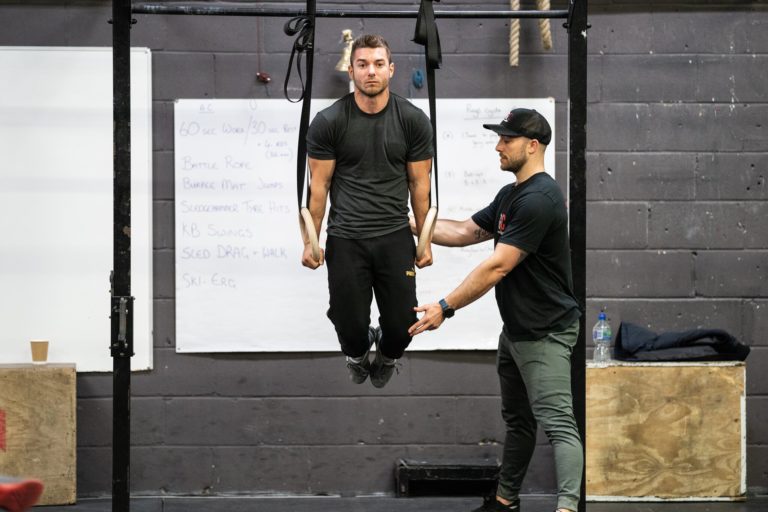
x=601 y=316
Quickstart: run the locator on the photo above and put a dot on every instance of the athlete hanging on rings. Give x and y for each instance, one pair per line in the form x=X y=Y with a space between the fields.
x=371 y=149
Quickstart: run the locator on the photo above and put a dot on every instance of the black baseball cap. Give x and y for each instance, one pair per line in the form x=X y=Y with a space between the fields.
x=524 y=122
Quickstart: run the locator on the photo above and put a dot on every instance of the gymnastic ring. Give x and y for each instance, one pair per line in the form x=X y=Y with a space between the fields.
x=308 y=227
x=427 y=230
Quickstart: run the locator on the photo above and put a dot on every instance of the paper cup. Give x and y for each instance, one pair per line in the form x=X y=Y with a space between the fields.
x=39 y=351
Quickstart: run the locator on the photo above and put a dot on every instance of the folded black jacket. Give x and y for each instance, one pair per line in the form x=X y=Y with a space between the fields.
x=635 y=343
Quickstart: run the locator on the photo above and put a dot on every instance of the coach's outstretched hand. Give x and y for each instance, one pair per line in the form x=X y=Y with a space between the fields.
x=431 y=320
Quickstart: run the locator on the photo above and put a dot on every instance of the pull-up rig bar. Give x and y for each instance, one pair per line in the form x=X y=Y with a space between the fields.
x=121 y=302
x=253 y=9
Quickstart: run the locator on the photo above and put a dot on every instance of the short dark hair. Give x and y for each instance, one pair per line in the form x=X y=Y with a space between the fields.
x=372 y=41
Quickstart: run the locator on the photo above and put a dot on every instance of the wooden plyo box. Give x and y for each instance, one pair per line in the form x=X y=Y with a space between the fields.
x=666 y=431
x=37 y=427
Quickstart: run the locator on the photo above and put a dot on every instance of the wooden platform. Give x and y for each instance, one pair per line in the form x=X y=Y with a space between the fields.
x=529 y=503
x=666 y=431
x=37 y=427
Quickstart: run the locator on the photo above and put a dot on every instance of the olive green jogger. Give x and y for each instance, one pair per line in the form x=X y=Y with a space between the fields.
x=535 y=381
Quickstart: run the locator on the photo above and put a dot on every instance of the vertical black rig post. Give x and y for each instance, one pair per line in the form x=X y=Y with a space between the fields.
x=577 y=195
x=121 y=310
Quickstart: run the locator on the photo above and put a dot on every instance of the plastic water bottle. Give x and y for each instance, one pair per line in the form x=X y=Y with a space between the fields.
x=601 y=336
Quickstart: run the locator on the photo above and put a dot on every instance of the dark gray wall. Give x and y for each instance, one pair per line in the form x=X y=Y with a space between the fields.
x=677 y=165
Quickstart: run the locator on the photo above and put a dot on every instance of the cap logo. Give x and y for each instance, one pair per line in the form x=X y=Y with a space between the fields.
x=523 y=122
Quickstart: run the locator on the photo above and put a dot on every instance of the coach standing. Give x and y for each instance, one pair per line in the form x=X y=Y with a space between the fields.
x=531 y=270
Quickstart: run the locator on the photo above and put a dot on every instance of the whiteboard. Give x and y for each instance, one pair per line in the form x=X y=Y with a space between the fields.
x=240 y=285
x=56 y=199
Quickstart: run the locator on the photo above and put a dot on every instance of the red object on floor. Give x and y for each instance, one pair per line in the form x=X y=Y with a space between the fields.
x=20 y=496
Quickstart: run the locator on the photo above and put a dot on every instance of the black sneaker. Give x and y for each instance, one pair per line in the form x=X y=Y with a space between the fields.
x=491 y=504
x=358 y=372
x=382 y=367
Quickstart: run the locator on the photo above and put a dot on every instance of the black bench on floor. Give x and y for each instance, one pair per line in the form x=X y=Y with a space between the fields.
x=475 y=477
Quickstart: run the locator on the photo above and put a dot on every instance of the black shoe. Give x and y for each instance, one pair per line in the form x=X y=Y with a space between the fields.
x=491 y=504
x=359 y=371
x=382 y=367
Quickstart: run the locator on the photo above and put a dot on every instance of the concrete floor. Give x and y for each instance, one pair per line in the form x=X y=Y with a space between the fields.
x=536 y=503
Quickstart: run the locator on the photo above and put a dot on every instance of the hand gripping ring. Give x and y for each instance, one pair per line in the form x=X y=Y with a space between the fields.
x=308 y=227
x=425 y=237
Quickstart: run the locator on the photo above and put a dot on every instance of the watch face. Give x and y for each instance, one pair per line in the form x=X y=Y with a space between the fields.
x=447 y=310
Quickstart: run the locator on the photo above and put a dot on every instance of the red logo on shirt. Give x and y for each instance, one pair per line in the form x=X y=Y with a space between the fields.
x=502 y=222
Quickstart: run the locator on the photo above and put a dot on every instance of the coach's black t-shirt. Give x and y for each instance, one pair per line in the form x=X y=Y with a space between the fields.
x=536 y=298
x=369 y=189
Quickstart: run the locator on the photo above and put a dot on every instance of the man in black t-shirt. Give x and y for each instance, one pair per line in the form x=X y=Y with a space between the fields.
x=371 y=150
x=531 y=271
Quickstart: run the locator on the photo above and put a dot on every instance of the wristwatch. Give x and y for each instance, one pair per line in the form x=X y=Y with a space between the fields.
x=448 y=311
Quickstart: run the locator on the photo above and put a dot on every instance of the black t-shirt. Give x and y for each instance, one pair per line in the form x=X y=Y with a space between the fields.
x=536 y=298
x=369 y=189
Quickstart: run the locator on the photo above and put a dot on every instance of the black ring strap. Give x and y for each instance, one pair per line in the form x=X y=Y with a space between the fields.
x=426 y=34
x=304 y=26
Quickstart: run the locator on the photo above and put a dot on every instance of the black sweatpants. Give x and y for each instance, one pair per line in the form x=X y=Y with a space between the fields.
x=357 y=269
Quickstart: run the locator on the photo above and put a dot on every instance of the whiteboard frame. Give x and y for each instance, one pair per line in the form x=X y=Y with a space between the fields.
x=210 y=321
x=73 y=85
